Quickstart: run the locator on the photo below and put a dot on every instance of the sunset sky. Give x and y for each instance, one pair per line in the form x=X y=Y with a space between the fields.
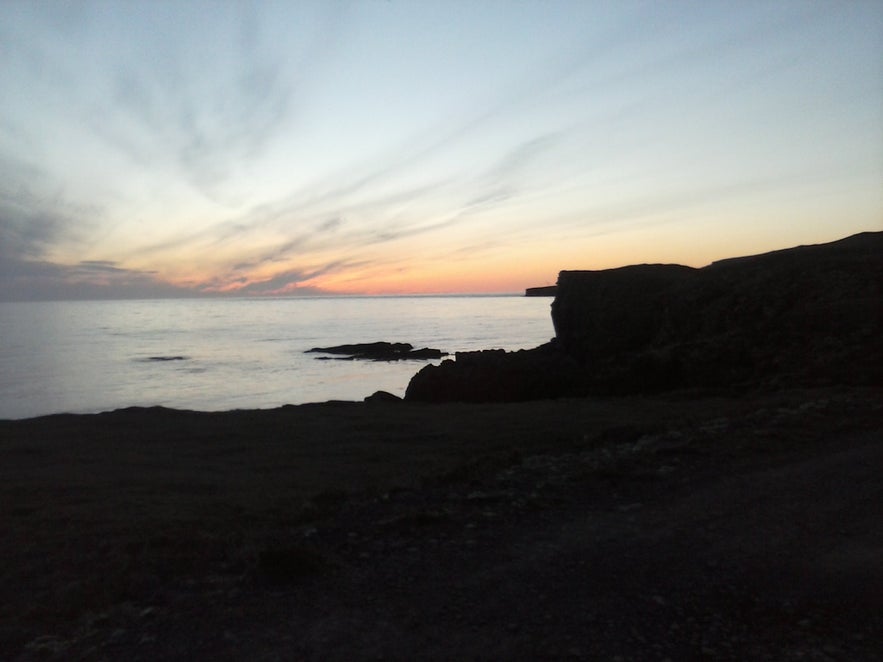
x=179 y=148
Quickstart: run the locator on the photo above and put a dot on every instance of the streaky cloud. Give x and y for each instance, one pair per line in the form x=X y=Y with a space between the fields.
x=264 y=147
x=290 y=281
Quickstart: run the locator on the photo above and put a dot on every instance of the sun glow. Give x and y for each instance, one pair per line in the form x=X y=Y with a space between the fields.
x=393 y=148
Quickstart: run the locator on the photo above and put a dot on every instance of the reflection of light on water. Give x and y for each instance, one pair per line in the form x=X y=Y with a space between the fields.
x=95 y=356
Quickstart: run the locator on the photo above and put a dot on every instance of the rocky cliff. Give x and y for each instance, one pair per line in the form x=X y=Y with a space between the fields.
x=802 y=316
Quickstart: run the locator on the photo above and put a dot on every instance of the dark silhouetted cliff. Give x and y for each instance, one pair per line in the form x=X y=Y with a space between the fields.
x=802 y=316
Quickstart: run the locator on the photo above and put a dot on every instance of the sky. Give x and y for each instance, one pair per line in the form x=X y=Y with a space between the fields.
x=175 y=148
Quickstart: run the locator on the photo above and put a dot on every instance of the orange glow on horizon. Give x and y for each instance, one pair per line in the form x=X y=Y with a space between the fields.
x=495 y=271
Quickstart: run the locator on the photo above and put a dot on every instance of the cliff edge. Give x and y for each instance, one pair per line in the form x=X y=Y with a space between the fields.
x=804 y=316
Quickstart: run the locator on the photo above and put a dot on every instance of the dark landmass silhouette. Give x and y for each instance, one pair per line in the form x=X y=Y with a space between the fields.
x=803 y=316
x=695 y=525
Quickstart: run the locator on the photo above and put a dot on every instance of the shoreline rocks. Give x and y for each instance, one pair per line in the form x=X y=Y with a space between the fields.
x=495 y=375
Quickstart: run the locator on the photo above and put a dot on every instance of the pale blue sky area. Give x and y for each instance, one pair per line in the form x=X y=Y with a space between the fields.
x=171 y=148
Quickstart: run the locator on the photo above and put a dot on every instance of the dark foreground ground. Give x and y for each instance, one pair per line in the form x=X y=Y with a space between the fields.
x=690 y=526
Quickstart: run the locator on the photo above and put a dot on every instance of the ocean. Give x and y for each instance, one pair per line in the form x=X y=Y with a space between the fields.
x=219 y=354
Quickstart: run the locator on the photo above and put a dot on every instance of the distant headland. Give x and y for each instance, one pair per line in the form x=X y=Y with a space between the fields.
x=544 y=291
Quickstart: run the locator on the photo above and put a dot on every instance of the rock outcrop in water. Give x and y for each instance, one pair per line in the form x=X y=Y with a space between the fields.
x=803 y=316
x=377 y=351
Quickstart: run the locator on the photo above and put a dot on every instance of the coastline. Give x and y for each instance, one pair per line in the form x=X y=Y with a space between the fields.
x=684 y=523
x=690 y=470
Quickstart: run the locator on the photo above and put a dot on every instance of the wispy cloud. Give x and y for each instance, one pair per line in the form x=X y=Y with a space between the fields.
x=263 y=148
x=33 y=219
x=317 y=223
x=292 y=281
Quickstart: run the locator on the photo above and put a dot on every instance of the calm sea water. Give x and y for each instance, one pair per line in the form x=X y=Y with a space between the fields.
x=238 y=353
